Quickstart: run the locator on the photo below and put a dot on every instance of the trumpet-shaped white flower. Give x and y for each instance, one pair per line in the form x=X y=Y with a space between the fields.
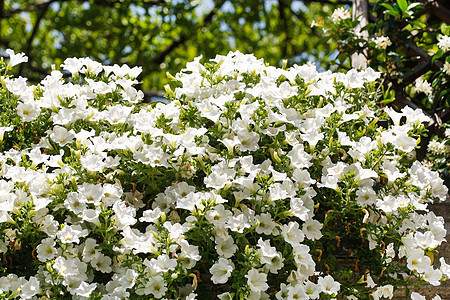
x=15 y=59
x=328 y=285
x=221 y=271
x=312 y=229
x=256 y=280
x=71 y=234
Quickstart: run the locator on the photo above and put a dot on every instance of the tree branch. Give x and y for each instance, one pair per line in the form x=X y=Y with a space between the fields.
x=422 y=67
x=439 y=10
x=39 y=18
x=287 y=38
x=183 y=38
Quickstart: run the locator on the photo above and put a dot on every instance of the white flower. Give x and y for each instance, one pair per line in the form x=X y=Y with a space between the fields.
x=417 y=260
x=128 y=279
x=4 y=129
x=292 y=233
x=417 y=296
x=423 y=86
x=238 y=223
x=340 y=14
x=46 y=250
x=297 y=292
x=125 y=215
x=30 y=288
x=61 y=135
x=221 y=271
x=366 y=196
x=28 y=110
x=446 y=68
x=328 y=285
x=257 y=281
x=84 y=289
x=71 y=234
x=248 y=140
x=311 y=228
x=226 y=247
x=163 y=263
x=69 y=267
x=414 y=116
x=303 y=260
x=445 y=268
x=73 y=65
x=386 y=291
x=75 y=202
x=382 y=42
x=225 y=296
x=156 y=286
x=102 y=263
x=432 y=276
x=444 y=42
x=15 y=59
x=265 y=224
x=89 y=251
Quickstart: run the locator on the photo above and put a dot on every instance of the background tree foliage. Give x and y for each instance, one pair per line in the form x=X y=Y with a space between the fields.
x=161 y=35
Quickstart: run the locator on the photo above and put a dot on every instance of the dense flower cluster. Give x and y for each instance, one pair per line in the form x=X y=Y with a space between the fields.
x=253 y=182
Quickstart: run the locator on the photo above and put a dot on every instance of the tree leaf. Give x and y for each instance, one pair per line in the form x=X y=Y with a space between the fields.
x=403 y=4
x=437 y=55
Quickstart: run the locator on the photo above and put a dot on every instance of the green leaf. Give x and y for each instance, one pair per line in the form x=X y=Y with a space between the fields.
x=403 y=4
x=445 y=29
x=437 y=55
x=387 y=6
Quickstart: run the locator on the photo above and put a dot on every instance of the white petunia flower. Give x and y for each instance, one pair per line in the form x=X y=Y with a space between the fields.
x=28 y=110
x=46 y=250
x=256 y=280
x=312 y=229
x=221 y=271
x=71 y=234
x=292 y=233
x=30 y=288
x=15 y=59
x=226 y=247
x=386 y=291
x=4 y=129
x=417 y=296
x=328 y=285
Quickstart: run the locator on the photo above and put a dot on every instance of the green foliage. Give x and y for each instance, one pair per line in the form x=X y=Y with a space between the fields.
x=162 y=36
